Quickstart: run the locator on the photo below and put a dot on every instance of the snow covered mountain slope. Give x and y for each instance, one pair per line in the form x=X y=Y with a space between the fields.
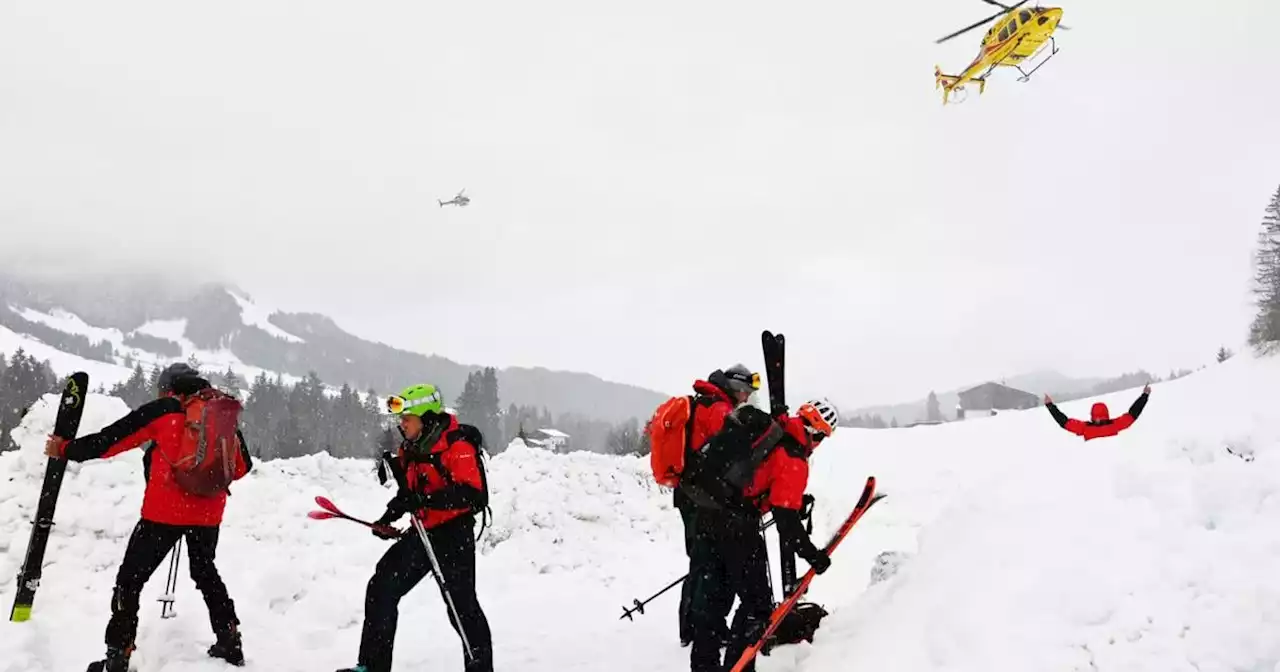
x=105 y=325
x=1020 y=546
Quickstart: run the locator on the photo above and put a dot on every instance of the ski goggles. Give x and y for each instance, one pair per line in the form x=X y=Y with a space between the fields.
x=396 y=403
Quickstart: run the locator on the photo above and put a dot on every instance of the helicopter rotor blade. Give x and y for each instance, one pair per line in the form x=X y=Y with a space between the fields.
x=964 y=30
x=997 y=4
x=981 y=23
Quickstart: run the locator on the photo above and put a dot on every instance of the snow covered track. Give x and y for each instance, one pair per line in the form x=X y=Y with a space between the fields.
x=1024 y=549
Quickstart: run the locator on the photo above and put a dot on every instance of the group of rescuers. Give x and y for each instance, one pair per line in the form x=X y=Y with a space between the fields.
x=442 y=484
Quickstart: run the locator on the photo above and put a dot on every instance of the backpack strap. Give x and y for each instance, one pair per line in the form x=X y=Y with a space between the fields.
x=471 y=434
x=694 y=403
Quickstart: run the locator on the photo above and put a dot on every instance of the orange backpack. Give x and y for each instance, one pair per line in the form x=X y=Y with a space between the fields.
x=205 y=462
x=669 y=434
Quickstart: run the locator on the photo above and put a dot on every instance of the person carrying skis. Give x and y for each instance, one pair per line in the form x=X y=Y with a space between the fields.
x=714 y=398
x=731 y=559
x=1100 y=424
x=442 y=485
x=169 y=513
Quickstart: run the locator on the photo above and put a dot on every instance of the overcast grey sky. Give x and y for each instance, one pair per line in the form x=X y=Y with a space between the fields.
x=655 y=182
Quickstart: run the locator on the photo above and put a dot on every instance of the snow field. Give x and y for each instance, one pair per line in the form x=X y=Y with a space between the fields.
x=571 y=536
x=1154 y=550
x=1018 y=547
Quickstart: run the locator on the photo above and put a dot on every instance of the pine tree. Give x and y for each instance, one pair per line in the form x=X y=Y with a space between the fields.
x=1224 y=354
x=231 y=382
x=24 y=380
x=490 y=408
x=153 y=380
x=933 y=409
x=1266 y=325
x=134 y=391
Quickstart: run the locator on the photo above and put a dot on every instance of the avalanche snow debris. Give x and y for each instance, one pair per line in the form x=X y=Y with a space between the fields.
x=1025 y=549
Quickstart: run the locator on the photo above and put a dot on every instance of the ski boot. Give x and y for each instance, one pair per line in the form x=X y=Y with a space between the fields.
x=117 y=660
x=228 y=648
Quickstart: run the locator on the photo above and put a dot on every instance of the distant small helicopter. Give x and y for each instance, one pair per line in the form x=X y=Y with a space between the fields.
x=1016 y=37
x=459 y=200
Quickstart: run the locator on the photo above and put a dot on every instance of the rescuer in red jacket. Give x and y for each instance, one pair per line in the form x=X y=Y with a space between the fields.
x=731 y=557
x=1100 y=424
x=168 y=514
x=714 y=399
x=442 y=484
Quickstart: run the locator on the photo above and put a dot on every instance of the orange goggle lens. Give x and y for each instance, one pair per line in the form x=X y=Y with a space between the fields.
x=396 y=404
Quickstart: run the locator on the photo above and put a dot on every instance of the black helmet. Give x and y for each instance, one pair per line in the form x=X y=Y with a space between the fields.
x=736 y=378
x=174 y=373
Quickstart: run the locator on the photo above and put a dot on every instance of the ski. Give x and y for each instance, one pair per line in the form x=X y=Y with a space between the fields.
x=865 y=502
x=774 y=346
x=70 y=409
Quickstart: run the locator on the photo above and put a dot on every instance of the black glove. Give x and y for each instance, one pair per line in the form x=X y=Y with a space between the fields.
x=387 y=533
x=820 y=562
x=382 y=528
x=405 y=502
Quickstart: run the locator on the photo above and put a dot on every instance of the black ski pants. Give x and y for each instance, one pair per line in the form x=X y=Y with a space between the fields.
x=401 y=568
x=731 y=560
x=148 y=546
x=687 y=510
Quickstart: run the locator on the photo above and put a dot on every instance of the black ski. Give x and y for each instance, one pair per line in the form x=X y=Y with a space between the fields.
x=774 y=347
x=70 y=409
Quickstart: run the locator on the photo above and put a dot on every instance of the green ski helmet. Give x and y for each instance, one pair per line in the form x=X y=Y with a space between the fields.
x=416 y=400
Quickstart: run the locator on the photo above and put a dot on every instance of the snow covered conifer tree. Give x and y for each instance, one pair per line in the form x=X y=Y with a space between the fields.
x=1266 y=325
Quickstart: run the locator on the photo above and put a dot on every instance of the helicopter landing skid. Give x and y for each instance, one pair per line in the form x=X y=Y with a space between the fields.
x=1026 y=76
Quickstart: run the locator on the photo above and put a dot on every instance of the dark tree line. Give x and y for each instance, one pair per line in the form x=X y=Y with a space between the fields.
x=23 y=380
x=479 y=404
x=282 y=421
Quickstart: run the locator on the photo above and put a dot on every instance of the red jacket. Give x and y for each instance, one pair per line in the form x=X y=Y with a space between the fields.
x=448 y=497
x=1100 y=424
x=158 y=426
x=781 y=479
x=711 y=406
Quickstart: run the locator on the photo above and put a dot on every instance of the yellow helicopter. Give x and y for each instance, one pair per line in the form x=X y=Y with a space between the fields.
x=1015 y=38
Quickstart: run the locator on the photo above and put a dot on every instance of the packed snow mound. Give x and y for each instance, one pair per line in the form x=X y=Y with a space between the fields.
x=560 y=522
x=1005 y=544
x=1032 y=550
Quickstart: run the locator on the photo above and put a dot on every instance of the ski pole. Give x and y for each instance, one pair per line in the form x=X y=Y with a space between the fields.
x=639 y=606
x=435 y=571
x=444 y=590
x=171 y=587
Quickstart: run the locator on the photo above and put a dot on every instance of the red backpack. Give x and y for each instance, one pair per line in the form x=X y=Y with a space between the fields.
x=669 y=434
x=205 y=462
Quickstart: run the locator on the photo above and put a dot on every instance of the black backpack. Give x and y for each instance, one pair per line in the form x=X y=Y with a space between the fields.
x=718 y=472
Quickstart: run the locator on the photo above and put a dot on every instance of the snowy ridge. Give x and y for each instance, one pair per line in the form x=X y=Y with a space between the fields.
x=257 y=316
x=110 y=374
x=1020 y=548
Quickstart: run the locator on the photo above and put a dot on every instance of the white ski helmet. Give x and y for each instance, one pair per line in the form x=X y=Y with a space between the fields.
x=821 y=415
